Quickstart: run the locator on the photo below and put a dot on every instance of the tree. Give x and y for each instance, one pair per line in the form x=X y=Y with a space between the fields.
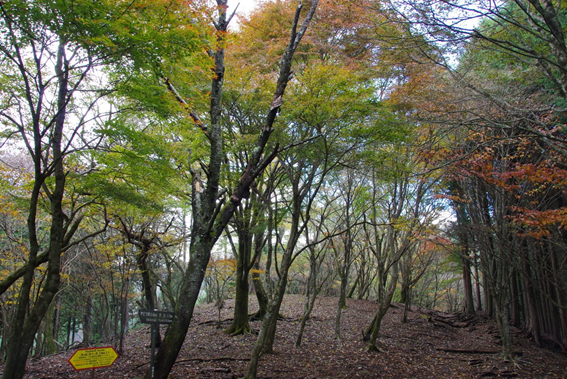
x=219 y=273
x=350 y=190
x=52 y=53
x=149 y=236
x=399 y=213
x=317 y=252
x=210 y=216
x=250 y=225
x=507 y=88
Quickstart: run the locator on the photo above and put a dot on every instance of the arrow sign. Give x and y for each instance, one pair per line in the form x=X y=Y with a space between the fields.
x=92 y=358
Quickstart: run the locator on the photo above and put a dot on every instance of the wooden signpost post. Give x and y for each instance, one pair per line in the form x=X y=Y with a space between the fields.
x=155 y=318
x=93 y=358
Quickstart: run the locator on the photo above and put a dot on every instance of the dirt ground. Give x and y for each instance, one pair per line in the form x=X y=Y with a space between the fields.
x=425 y=347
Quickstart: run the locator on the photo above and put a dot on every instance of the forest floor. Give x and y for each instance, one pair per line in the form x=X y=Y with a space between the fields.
x=429 y=345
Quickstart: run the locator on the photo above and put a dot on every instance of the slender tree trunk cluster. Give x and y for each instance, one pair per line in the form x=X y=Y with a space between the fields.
x=524 y=286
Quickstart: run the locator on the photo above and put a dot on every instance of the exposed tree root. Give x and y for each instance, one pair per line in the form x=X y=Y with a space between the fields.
x=235 y=331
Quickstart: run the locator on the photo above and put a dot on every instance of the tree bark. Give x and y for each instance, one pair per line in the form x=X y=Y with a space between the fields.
x=261 y=294
x=49 y=337
x=468 y=308
x=240 y=324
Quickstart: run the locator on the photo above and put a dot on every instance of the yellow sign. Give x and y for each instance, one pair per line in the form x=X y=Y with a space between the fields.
x=91 y=358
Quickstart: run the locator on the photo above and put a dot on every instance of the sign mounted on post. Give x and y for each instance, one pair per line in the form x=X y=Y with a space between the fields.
x=93 y=358
x=156 y=317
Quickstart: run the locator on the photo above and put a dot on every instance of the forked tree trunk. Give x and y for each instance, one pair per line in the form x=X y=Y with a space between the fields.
x=373 y=330
x=209 y=218
x=265 y=340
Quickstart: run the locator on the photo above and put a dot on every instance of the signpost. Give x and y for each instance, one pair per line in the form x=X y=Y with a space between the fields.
x=155 y=318
x=93 y=358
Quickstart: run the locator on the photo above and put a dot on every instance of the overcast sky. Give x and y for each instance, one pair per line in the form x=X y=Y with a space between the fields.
x=245 y=5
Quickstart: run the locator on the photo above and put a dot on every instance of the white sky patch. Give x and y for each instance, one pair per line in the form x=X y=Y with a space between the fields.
x=245 y=7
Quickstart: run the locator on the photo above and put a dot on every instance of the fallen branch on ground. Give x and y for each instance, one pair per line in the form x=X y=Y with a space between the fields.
x=476 y=351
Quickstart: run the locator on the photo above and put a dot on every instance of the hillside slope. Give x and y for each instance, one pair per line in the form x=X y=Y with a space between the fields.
x=424 y=347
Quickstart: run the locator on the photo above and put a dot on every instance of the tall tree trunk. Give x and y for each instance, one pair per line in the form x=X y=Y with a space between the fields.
x=5 y=328
x=28 y=317
x=57 y=321
x=502 y=321
x=68 y=338
x=87 y=322
x=515 y=318
x=346 y=260
x=561 y=300
x=353 y=288
x=264 y=342
x=39 y=338
x=488 y=300
x=240 y=324
x=124 y=315
x=310 y=297
x=373 y=331
x=261 y=294
x=260 y=241
x=149 y=288
x=468 y=289
x=477 y=283
x=188 y=294
x=405 y=290
x=407 y=306
x=532 y=316
x=463 y=224
x=73 y=330
x=49 y=338
x=340 y=306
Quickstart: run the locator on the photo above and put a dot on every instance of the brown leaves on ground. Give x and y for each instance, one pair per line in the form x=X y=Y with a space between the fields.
x=421 y=348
